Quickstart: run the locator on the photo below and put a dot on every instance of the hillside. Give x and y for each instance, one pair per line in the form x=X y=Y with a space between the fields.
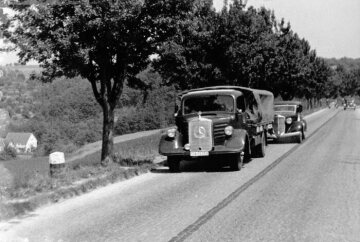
x=63 y=115
x=347 y=63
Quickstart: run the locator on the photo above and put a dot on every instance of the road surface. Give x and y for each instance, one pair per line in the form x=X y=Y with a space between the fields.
x=307 y=192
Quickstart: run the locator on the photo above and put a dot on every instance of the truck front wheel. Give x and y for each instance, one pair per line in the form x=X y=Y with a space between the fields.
x=259 y=150
x=174 y=164
x=236 y=161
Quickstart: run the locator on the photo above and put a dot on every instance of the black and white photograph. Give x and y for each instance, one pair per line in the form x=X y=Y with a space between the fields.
x=179 y=120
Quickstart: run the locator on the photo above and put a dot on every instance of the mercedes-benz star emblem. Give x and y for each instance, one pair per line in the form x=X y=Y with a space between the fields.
x=200 y=132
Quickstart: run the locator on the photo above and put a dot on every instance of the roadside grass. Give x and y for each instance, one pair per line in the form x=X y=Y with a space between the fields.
x=313 y=110
x=31 y=176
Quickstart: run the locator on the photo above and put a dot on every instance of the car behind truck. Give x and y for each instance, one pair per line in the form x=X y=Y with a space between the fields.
x=227 y=121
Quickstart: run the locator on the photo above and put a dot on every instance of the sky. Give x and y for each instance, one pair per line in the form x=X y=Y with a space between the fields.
x=332 y=27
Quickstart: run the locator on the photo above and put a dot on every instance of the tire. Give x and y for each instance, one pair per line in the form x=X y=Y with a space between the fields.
x=303 y=134
x=259 y=150
x=247 y=155
x=299 y=138
x=236 y=162
x=174 y=164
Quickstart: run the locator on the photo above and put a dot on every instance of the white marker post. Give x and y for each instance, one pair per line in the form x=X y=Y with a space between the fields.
x=57 y=163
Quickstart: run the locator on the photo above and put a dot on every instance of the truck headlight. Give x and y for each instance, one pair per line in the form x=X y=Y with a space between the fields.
x=289 y=120
x=171 y=132
x=229 y=130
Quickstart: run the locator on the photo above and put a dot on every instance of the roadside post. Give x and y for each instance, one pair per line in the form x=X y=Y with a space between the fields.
x=57 y=163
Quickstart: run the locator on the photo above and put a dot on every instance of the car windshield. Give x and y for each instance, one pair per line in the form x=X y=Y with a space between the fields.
x=285 y=108
x=211 y=103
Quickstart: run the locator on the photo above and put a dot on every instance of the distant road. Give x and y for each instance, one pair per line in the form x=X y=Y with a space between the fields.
x=309 y=194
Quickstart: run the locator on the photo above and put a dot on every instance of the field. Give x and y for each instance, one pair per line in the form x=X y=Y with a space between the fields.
x=26 y=69
x=32 y=175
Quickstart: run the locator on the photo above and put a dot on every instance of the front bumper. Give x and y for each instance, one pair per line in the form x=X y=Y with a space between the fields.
x=175 y=147
x=285 y=136
x=217 y=150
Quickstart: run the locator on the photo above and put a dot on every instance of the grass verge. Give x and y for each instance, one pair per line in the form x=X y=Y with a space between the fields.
x=32 y=185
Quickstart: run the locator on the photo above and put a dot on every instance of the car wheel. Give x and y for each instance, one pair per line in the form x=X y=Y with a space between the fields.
x=236 y=162
x=303 y=134
x=260 y=148
x=299 y=138
x=174 y=164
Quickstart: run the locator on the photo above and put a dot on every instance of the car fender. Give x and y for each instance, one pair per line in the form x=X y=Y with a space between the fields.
x=304 y=124
x=296 y=126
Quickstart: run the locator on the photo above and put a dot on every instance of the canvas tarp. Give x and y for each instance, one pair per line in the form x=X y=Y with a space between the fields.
x=260 y=105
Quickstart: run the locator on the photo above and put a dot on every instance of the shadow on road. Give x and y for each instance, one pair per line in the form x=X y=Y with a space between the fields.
x=197 y=165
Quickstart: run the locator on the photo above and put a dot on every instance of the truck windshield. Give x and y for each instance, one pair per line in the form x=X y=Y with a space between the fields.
x=212 y=103
x=285 y=108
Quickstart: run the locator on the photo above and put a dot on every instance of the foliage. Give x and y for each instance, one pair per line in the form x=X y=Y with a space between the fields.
x=345 y=78
x=242 y=46
x=106 y=42
x=9 y=153
x=65 y=116
x=156 y=113
x=346 y=63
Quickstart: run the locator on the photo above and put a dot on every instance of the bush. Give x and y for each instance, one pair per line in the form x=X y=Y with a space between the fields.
x=9 y=153
x=156 y=112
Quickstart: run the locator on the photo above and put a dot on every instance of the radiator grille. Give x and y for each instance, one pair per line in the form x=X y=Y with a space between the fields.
x=219 y=134
x=200 y=134
x=279 y=124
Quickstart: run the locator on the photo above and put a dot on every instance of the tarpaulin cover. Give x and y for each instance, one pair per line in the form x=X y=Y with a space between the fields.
x=260 y=106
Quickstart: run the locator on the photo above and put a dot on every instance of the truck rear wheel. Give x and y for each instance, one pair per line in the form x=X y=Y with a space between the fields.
x=259 y=150
x=236 y=162
x=174 y=164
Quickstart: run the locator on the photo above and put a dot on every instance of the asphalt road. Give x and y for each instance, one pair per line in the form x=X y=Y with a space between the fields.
x=307 y=192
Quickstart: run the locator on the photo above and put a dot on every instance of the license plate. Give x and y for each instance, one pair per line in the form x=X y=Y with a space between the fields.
x=199 y=153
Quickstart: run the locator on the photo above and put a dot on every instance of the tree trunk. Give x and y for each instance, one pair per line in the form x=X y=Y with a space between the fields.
x=107 y=139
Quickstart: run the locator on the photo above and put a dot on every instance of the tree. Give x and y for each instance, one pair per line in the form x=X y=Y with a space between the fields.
x=185 y=59
x=107 y=42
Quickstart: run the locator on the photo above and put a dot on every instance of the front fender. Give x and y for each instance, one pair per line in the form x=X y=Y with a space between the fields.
x=171 y=145
x=296 y=126
x=304 y=124
x=237 y=140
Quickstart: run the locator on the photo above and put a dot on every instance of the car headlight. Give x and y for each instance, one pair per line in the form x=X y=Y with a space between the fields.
x=229 y=130
x=289 y=120
x=171 y=132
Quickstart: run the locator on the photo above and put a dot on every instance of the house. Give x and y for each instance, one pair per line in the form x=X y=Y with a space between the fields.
x=22 y=142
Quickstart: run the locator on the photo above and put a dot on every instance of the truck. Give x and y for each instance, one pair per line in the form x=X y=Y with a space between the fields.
x=221 y=121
